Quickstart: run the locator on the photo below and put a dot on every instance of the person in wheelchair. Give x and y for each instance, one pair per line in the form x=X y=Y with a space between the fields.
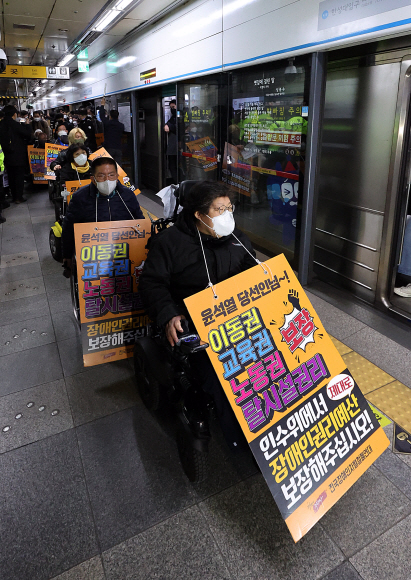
x=104 y=199
x=76 y=166
x=201 y=249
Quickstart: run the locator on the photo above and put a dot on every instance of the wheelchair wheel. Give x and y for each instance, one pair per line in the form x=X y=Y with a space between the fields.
x=74 y=291
x=55 y=246
x=194 y=461
x=148 y=386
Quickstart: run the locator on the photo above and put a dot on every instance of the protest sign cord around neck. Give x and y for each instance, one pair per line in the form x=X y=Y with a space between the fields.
x=210 y=284
x=262 y=264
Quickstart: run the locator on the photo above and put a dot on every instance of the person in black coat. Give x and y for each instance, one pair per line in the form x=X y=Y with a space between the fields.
x=172 y=145
x=176 y=268
x=113 y=131
x=104 y=200
x=89 y=127
x=14 y=138
x=76 y=166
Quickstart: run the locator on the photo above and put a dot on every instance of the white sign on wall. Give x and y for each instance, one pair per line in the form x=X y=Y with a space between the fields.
x=336 y=12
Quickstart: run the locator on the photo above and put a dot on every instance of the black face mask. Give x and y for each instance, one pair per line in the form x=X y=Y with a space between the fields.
x=64 y=139
x=173 y=112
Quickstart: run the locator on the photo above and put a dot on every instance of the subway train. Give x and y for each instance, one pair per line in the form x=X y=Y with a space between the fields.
x=307 y=123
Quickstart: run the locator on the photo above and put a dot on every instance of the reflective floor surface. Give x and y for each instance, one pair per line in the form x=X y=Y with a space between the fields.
x=91 y=485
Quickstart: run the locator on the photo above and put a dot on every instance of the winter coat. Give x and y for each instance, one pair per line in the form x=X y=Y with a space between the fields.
x=82 y=209
x=172 y=135
x=89 y=127
x=43 y=125
x=113 y=131
x=67 y=173
x=14 y=138
x=175 y=267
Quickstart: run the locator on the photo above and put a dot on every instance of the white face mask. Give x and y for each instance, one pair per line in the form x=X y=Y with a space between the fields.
x=81 y=159
x=106 y=187
x=60 y=133
x=37 y=118
x=75 y=123
x=223 y=225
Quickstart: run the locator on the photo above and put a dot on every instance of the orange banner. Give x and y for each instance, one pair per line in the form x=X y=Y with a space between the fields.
x=36 y=161
x=122 y=175
x=306 y=421
x=110 y=257
x=51 y=153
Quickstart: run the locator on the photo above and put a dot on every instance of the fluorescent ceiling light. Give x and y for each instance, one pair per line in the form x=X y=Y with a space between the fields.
x=43 y=82
x=106 y=19
x=121 y=4
x=86 y=81
x=66 y=59
x=124 y=60
x=65 y=89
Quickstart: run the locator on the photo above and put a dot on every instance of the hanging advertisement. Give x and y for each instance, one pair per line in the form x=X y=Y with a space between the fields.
x=51 y=153
x=36 y=161
x=308 y=425
x=110 y=258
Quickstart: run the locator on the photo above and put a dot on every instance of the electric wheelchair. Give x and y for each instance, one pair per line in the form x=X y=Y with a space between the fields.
x=164 y=376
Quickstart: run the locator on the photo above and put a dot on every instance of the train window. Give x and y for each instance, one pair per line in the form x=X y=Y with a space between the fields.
x=264 y=151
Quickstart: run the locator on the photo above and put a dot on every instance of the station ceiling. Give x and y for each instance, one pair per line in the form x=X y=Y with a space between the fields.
x=41 y=32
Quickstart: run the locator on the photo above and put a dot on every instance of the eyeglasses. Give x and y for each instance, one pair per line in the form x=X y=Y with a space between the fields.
x=103 y=177
x=224 y=208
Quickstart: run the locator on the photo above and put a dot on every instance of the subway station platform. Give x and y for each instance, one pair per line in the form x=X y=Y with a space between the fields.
x=91 y=484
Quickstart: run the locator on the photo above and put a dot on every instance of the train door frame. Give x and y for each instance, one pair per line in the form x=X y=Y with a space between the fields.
x=398 y=189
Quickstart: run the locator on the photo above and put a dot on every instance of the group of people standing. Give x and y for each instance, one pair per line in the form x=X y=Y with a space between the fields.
x=75 y=129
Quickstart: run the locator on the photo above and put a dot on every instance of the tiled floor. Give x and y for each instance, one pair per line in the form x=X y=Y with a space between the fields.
x=91 y=486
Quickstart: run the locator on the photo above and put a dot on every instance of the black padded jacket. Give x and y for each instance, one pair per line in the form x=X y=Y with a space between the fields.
x=82 y=209
x=175 y=267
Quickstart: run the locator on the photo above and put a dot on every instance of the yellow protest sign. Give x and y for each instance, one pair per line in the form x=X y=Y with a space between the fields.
x=36 y=161
x=51 y=153
x=110 y=258
x=306 y=421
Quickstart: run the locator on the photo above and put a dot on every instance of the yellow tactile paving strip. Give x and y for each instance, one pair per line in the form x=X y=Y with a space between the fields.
x=381 y=389
x=368 y=376
x=395 y=401
x=342 y=348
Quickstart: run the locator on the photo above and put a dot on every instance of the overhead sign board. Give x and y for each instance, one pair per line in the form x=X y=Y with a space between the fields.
x=58 y=72
x=83 y=66
x=24 y=72
x=83 y=55
x=335 y=13
x=148 y=74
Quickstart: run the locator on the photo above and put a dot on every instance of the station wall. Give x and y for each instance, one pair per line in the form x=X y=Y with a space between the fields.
x=214 y=35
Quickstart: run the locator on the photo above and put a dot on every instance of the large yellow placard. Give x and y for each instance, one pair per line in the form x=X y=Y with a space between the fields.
x=307 y=423
x=110 y=257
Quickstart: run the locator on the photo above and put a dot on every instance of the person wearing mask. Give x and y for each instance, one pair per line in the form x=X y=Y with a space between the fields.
x=75 y=137
x=202 y=248
x=87 y=125
x=40 y=139
x=104 y=200
x=14 y=138
x=76 y=166
x=39 y=123
x=172 y=146
x=61 y=134
x=113 y=131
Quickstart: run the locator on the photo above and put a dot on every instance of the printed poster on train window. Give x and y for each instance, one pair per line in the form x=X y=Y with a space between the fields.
x=204 y=151
x=122 y=175
x=110 y=258
x=307 y=422
x=51 y=153
x=36 y=161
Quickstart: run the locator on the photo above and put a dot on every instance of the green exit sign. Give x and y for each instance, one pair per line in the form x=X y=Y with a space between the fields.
x=82 y=66
x=83 y=55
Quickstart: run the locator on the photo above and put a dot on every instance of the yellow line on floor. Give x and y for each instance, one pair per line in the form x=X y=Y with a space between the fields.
x=391 y=397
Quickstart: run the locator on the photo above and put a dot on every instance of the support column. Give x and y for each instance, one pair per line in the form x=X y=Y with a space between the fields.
x=312 y=161
x=135 y=128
